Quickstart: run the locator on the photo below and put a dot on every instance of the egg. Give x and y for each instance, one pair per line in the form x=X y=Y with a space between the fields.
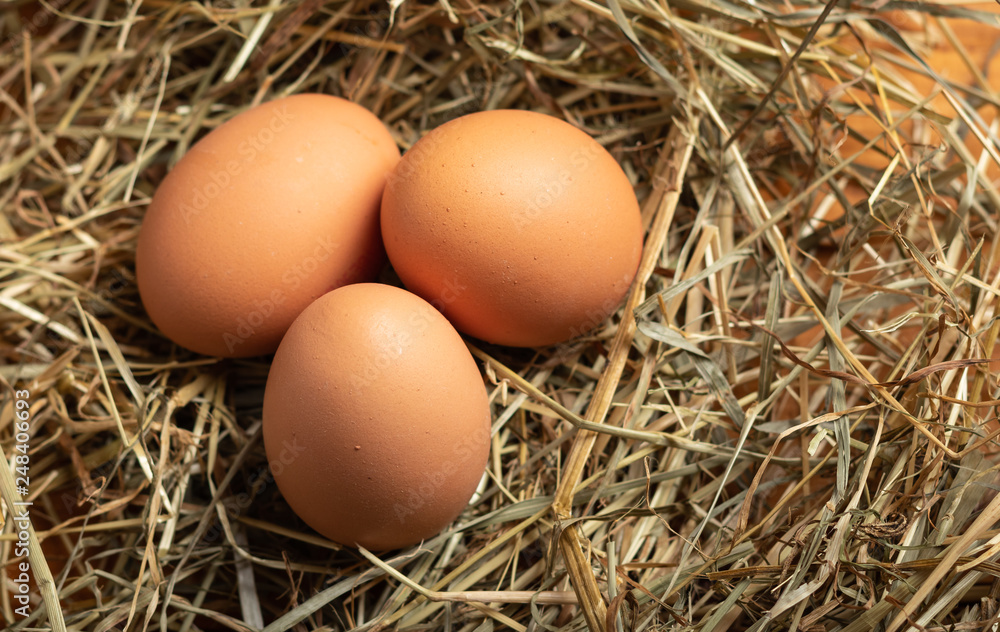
x=924 y=35
x=262 y=216
x=376 y=421
x=519 y=227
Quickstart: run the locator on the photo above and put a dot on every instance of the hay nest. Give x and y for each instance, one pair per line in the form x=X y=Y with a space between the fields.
x=791 y=424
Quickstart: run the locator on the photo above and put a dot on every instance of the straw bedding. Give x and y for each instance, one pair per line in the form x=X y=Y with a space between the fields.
x=790 y=425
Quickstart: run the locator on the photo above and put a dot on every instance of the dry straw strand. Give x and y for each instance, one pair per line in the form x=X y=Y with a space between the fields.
x=790 y=423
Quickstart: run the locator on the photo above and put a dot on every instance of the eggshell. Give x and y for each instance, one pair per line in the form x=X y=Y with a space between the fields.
x=924 y=35
x=376 y=419
x=262 y=216
x=521 y=228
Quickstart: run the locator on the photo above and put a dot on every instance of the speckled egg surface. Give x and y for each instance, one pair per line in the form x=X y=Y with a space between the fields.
x=376 y=419
x=519 y=227
x=259 y=218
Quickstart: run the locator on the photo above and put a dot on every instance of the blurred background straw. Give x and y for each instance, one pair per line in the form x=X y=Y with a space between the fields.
x=791 y=425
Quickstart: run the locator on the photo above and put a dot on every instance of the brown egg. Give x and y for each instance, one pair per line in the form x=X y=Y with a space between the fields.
x=924 y=35
x=261 y=217
x=376 y=419
x=519 y=227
